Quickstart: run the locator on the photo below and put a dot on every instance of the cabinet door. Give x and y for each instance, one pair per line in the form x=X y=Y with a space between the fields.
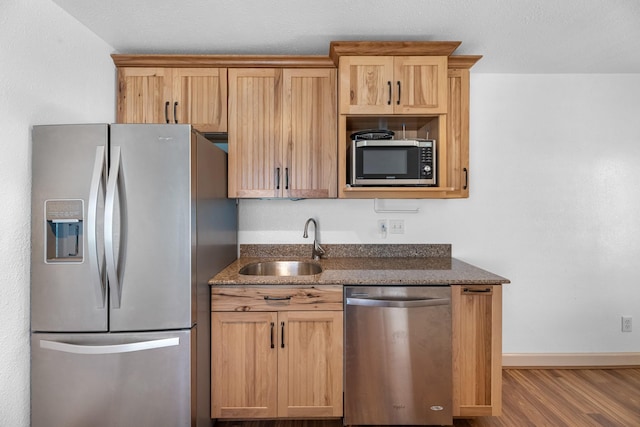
x=458 y=133
x=244 y=365
x=255 y=168
x=366 y=85
x=477 y=350
x=420 y=85
x=310 y=364
x=144 y=95
x=310 y=133
x=200 y=98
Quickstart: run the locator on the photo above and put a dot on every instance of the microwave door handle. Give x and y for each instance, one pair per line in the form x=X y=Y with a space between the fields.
x=112 y=271
x=92 y=231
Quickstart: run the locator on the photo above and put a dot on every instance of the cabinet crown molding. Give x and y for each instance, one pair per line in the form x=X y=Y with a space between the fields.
x=222 y=61
x=391 y=48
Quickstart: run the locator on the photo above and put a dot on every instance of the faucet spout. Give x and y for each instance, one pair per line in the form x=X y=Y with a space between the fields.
x=317 y=251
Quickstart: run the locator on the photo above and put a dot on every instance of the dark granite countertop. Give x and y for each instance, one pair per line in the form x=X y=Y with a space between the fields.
x=361 y=265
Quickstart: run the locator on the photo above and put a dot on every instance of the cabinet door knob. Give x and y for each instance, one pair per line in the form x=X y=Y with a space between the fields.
x=389 y=101
x=277 y=178
x=166 y=111
x=175 y=117
x=398 y=102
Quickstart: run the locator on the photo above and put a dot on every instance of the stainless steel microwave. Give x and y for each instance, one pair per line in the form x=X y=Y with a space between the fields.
x=409 y=162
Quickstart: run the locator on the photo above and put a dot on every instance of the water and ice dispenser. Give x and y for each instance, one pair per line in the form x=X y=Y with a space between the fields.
x=64 y=230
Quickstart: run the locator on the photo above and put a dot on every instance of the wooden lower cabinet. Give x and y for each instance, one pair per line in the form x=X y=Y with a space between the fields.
x=244 y=367
x=276 y=364
x=477 y=350
x=310 y=364
x=278 y=352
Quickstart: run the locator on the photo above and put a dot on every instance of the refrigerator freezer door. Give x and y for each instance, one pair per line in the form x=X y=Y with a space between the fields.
x=111 y=380
x=149 y=227
x=68 y=286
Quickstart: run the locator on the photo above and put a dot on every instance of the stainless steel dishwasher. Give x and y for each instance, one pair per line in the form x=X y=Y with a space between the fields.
x=398 y=368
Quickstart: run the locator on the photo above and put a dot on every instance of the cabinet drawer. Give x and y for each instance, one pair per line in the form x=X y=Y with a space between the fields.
x=272 y=298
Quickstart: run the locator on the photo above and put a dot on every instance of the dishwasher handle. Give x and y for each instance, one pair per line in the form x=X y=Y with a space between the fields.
x=399 y=303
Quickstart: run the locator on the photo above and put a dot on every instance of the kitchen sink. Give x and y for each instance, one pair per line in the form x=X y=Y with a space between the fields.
x=281 y=268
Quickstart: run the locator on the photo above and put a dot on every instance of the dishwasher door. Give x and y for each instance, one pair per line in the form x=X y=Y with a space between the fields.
x=398 y=368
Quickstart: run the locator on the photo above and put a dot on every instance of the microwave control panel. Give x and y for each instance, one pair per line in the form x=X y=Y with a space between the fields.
x=426 y=162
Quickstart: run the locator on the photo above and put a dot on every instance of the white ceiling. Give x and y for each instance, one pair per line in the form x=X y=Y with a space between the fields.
x=514 y=36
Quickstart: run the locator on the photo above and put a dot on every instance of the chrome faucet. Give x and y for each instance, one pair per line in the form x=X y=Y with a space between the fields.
x=317 y=251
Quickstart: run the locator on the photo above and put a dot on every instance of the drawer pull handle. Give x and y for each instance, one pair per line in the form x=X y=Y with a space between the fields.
x=476 y=291
x=270 y=298
x=273 y=325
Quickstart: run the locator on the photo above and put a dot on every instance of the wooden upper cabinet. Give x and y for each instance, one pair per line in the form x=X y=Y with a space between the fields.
x=255 y=166
x=142 y=93
x=173 y=95
x=309 y=123
x=282 y=133
x=421 y=84
x=393 y=85
x=366 y=85
x=458 y=133
x=201 y=94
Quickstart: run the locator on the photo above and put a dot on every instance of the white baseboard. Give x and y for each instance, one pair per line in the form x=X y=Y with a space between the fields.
x=569 y=360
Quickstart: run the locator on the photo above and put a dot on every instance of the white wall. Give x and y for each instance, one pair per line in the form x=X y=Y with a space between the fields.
x=554 y=207
x=53 y=70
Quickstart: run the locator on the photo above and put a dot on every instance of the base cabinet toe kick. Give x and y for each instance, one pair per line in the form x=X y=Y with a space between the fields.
x=333 y=351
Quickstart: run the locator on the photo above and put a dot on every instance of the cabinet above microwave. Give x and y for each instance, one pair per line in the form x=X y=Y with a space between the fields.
x=435 y=105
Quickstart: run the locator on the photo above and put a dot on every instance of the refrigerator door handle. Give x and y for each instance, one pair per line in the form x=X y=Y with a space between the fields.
x=92 y=214
x=109 y=213
x=109 y=349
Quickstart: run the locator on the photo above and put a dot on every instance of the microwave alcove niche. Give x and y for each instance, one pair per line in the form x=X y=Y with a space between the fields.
x=405 y=127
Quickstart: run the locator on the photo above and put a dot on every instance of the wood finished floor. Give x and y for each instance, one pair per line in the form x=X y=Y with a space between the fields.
x=543 y=398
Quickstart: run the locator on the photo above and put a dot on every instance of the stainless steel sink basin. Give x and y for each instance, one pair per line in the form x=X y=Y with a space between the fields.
x=281 y=268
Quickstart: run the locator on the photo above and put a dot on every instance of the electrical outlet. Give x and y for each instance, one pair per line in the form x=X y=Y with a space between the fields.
x=396 y=226
x=382 y=228
x=626 y=323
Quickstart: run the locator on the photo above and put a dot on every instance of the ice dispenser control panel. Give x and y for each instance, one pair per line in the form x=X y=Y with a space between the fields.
x=64 y=233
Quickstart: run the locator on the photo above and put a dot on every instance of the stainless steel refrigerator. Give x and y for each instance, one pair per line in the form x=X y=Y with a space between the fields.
x=128 y=224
